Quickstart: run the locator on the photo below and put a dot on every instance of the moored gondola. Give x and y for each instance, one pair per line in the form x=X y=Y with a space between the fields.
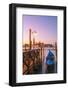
x=50 y=62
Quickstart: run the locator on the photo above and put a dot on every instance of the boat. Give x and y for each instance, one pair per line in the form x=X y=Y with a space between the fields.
x=50 y=62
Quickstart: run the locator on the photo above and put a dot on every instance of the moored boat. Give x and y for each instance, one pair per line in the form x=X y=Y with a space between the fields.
x=50 y=62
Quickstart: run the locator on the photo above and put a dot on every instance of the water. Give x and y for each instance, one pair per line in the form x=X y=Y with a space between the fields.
x=43 y=68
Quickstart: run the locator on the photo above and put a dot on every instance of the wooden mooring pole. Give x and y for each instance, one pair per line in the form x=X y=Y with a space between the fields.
x=30 y=39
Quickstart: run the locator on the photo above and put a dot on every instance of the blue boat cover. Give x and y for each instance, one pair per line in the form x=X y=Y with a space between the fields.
x=50 y=54
x=49 y=60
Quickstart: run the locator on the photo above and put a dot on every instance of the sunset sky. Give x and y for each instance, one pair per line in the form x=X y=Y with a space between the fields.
x=45 y=26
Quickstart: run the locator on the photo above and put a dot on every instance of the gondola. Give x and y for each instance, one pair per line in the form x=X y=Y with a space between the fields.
x=50 y=62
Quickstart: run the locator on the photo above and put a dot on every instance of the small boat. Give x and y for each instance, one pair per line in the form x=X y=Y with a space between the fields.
x=50 y=62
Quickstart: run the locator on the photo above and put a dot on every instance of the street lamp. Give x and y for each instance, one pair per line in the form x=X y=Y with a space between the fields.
x=34 y=33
